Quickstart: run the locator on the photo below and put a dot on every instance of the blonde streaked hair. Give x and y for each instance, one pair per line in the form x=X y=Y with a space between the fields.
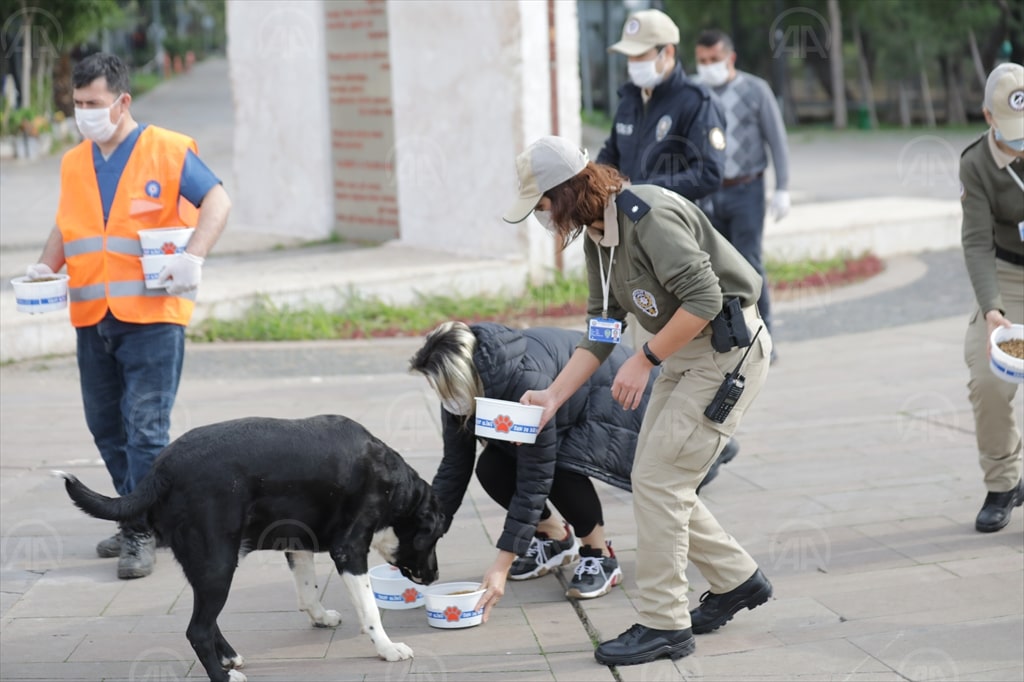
x=446 y=360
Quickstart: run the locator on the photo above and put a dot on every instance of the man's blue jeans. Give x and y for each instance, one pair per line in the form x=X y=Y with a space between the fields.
x=129 y=377
x=738 y=213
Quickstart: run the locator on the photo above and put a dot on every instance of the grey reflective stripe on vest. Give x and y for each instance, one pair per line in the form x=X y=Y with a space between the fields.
x=77 y=247
x=129 y=247
x=119 y=289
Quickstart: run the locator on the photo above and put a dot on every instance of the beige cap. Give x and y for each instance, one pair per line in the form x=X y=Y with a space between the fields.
x=644 y=30
x=545 y=164
x=1004 y=99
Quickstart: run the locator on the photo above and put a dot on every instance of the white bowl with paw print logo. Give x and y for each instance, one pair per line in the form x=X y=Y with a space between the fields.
x=453 y=605
x=164 y=241
x=392 y=590
x=506 y=420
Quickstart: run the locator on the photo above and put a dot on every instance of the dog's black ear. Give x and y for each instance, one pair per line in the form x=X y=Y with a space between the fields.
x=433 y=524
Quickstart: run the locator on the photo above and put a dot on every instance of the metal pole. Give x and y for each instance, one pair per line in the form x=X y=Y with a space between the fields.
x=158 y=37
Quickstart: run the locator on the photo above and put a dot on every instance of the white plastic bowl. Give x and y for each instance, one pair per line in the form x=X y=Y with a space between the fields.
x=392 y=590
x=164 y=240
x=41 y=296
x=1004 y=365
x=152 y=266
x=506 y=420
x=448 y=610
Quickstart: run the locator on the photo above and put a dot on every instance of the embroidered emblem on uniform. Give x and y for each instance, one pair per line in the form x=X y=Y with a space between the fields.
x=645 y=302
x=624 y=128
x=1016 y=100
x=632 y=27
x=664 y=123
x=717 y=139
x=153 y=189
x=963 y=191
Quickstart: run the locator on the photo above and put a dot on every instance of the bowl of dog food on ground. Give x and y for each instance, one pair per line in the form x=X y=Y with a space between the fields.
x=392 y=590
x=164 y=241
x=1007 y=360
x=453 y=605
x=506 y=420
x=42 y=295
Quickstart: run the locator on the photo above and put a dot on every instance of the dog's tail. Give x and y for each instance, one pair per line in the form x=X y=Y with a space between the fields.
x=131 y=506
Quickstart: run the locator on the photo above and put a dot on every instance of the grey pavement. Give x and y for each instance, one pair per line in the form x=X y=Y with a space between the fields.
x=855 y=489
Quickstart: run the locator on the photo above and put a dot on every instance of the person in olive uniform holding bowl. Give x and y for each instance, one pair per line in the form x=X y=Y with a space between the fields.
x=651 y=252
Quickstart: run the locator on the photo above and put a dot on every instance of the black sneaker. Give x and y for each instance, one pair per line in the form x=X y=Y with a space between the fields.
x=138 y=554
x=109 y=548
x=716 y=610
x=641 y=644
x=595 y=575
x=995 y=512
x=543 y=555
x=728 y=454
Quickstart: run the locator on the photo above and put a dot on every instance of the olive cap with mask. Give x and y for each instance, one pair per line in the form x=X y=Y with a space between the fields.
x=544 y=165
x=645 y=30
x=1004 y=100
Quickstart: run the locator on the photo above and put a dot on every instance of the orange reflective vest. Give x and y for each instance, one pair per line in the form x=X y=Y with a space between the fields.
x=103 y=261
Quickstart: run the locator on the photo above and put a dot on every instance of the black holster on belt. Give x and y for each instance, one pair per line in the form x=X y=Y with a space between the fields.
x=729 y=328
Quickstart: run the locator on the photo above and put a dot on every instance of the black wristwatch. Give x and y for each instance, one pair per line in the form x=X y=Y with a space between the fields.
x=651 y=357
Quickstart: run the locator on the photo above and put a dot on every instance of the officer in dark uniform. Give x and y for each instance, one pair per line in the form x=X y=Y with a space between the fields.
x=668 y=130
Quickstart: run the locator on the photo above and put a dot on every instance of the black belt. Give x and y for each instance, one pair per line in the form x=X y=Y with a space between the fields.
x=741 y=180
x=1009 y=256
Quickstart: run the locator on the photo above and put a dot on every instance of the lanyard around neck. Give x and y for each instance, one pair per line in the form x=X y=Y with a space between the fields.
x=606 y=282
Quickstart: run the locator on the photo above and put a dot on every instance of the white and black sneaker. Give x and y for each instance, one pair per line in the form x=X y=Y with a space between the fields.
x=595 y=575
x=543 y=555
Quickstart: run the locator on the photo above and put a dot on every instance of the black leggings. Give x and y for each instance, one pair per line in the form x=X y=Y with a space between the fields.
x=572 y=494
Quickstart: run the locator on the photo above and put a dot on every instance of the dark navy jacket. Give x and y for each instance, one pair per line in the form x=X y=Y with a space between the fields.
x=673 y=143
x=590 y=434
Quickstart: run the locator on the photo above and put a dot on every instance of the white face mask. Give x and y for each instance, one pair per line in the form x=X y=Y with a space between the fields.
x=714 y=74
x=457 y=407
x=645 y=74
x=544 y=218
x=95 y=124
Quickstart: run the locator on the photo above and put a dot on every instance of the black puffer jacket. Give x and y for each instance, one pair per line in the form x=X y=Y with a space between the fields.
x=591 y=434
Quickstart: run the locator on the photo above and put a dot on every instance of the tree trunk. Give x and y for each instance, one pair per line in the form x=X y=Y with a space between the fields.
x=926 y=91
x=26 y=56
x=63 y=98
x=835 y=21
x=979 y=66
x=866 y=87
x=955 y=112
x=904 y=105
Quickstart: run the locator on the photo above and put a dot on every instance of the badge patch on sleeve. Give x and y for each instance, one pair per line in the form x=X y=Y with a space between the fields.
x=645 y=302
x=963 y=191
x=717 y=139
x=664 y=124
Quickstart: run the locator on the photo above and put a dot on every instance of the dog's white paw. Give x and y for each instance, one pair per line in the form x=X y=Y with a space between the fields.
x=235 y=676
x=236 y=662
x=395 y=652
x=330 y=619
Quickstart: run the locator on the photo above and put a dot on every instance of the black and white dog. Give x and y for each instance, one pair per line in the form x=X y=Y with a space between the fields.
x=322 y=484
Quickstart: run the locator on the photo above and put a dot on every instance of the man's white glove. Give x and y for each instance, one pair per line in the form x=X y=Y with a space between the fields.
x=182 y=274
x=780 y=205
x=38 y=271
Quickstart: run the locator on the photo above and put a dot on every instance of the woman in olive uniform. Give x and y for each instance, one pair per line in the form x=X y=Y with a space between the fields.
x=651 y=252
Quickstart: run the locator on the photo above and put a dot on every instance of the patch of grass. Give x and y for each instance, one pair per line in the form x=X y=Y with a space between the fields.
x=596 y=119
x=143 y=82
x=361 y=317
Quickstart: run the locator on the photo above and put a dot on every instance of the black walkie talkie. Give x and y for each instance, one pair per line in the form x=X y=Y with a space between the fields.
x=730 y=390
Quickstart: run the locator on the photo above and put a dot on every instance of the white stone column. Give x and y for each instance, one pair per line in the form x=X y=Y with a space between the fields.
x=282 y=144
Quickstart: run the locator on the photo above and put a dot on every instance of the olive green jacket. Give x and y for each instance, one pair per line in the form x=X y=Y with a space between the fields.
x=667 y=256
x=993 y=206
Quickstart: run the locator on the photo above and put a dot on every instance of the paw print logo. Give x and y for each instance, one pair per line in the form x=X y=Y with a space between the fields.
x=168 y=248
x=502 y=423
x=452 y=614
x=410 y=594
